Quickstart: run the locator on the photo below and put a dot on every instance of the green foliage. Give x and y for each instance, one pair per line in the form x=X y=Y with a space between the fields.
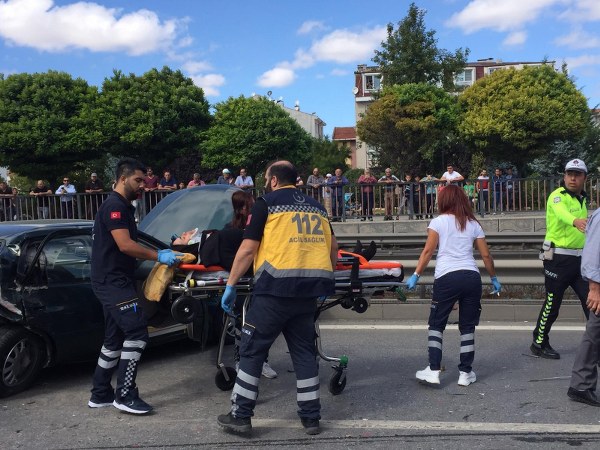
x=327 y=156
x=47 y=124
x=155 y=117
x=409 y=125
x=410 y=54
x=553 y=161
x=251 y=132
x=22 y=183
x=477 y=164
x=353 y=174
x=516 y=114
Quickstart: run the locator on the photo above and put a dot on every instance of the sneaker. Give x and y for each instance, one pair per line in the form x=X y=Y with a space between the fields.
x=268 y=372
x=97 y=402
x=311 y=426
x=235 y=424
x=466 y=378
x=132 y=405
x=428 y=376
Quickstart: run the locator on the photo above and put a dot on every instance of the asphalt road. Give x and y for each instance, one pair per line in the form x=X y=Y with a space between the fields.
x=518 y=401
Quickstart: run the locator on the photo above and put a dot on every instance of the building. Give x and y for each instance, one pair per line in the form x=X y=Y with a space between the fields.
x=474 y=71
x=311 y=123
x=368 y=81
x=347 y=136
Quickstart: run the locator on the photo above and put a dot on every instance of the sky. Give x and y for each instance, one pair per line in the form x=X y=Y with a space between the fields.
x=305 y=51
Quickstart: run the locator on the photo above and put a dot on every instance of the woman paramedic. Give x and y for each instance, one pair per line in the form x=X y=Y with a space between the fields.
x=456 y=279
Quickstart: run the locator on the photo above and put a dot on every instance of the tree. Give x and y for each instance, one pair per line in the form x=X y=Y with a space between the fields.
x=409 y=125
x=552 y=162
x=47 y=124
x=155 y=117
x=328 y=156
x=251 y=132
x=410 y=54
x=517 y=114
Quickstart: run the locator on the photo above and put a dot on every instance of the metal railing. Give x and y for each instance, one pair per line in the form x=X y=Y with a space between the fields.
x=414 y=200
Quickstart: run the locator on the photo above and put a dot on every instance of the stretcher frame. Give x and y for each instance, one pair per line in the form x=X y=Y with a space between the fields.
x=349 y=293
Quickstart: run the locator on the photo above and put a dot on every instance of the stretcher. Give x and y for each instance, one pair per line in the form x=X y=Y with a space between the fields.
x=356 y=280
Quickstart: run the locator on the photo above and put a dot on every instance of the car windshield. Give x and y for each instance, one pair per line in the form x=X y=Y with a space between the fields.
x=204 y=207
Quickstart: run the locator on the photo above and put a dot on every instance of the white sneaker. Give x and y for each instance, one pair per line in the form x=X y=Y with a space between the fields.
x=268 y=372
x=428 y=376
x=466 y=378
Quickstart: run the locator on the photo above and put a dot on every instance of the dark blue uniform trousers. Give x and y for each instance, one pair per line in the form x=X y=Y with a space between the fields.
x=266 y=318
x=125 y=337
x=463 y=286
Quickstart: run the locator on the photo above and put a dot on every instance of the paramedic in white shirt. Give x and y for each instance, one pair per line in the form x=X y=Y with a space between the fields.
x=456 y=279
x=451 y=176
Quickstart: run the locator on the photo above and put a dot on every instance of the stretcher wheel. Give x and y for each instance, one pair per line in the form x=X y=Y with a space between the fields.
x=224 y=384
x=347 y=303
x=360 y=305
x=337 y=383
x=184 y=309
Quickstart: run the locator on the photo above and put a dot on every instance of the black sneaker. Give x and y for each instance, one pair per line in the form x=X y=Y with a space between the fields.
x=311 y=426
x=132 y=405
x=101 y=402
x=235 y=424
x=544 y=351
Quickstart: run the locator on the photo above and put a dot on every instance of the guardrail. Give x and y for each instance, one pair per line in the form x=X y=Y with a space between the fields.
x=526 y=269
x=348 y=240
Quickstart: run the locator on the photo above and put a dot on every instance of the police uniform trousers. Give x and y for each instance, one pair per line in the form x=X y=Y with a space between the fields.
x=266 y=318
x=125 y=337
x=585 y=367
x=560 y=272
x=464 y=287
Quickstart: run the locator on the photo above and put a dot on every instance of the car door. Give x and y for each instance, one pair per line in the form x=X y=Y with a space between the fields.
x=60 y=300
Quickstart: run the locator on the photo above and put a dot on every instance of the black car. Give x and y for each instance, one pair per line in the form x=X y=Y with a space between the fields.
x=48 y=312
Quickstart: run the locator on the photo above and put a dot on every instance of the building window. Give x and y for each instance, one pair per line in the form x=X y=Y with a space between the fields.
x=372 y=82
x=493 y=69
x=464 y=77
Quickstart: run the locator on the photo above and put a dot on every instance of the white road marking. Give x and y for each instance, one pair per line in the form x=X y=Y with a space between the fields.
x=383 y=327
x=487 y=427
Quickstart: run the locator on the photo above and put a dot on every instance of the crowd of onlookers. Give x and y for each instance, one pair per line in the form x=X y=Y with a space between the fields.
x=414 y=195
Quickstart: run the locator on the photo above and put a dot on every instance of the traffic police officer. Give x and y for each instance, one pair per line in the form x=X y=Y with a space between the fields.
x=290 y=240
x=114 y=252
x=566 y=219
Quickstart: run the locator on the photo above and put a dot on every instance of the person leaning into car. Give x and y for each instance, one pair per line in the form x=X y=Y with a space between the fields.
x=114 y=253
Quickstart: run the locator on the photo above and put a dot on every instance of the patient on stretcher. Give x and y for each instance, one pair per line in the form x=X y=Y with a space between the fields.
x=186 y=238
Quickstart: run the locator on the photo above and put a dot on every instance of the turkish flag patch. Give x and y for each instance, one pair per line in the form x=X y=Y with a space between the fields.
x=115 y=215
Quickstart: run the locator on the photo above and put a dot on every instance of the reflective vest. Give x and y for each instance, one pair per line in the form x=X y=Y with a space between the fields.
x=293 y=258
x=563 y=207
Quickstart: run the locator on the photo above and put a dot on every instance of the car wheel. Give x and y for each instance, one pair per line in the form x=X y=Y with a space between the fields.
x=21 y=358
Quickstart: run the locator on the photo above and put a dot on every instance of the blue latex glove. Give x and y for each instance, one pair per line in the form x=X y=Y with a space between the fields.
x=497 y=286
x=168 y=257
x=228 y=299
x=412 y=281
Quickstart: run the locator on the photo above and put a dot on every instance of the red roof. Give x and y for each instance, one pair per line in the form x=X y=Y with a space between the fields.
x=344 y=134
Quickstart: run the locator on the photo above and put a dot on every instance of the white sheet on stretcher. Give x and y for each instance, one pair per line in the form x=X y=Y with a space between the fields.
x=339 y=274
x=369 y=273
